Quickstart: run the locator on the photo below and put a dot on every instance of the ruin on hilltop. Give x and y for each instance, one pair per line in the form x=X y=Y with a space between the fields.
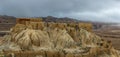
x=36 y=23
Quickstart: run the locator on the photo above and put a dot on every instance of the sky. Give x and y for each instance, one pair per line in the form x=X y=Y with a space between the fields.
x=90 y=10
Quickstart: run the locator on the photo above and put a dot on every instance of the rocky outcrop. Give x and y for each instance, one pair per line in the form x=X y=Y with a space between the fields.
x=56 y=40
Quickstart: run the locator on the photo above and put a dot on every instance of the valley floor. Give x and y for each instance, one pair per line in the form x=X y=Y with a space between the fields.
x=110 y=34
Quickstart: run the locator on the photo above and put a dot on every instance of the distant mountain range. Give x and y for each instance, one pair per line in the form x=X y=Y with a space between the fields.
x=7 y=19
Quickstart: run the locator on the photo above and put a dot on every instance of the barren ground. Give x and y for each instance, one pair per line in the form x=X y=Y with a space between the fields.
x=110 y=34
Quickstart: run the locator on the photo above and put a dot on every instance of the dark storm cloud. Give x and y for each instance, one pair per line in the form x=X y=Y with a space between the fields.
x=94 y=10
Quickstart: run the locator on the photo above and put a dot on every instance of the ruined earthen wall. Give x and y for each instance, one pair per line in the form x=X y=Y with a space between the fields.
x=39 y=24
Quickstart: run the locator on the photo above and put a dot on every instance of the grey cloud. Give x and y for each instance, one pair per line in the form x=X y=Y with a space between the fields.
x=93 y=10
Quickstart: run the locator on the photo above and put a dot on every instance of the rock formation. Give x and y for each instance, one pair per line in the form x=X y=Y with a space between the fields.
x=55 y=40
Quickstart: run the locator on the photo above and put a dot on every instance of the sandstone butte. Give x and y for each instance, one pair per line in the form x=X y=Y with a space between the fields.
x=36 y=38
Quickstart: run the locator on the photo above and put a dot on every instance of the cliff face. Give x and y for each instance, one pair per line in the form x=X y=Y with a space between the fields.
x=67 y=40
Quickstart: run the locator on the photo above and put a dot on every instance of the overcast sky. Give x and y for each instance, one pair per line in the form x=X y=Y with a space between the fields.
x=93 y=10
